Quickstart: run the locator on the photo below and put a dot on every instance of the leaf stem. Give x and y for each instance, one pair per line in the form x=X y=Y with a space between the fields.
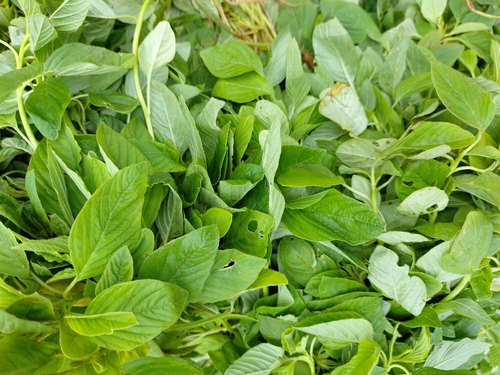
x=70 y=286
x=137 y=76
x=373 y=182
x=458 y=289
x=45 y=285
x=399 y=367
x=201 y=322
x=32 y=141
x=463 y=153
x=472 y=8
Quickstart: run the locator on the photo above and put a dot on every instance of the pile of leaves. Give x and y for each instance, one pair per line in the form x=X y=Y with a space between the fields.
x=179 y=196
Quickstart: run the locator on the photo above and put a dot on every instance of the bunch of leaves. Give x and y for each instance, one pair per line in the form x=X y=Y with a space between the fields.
x=174 y=202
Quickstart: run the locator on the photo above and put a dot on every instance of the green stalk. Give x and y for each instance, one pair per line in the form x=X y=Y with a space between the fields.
x=32 y=141
x=464 y=152
x=202 y=322
x=137 y=76
x=458 y=289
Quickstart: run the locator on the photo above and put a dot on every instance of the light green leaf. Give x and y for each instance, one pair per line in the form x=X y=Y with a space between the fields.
x=243 y=88
x=70 y=15
x=10 y=324
x=100 y=324
x=363 y=362
x=231 y=59
x=120 y=268
x=185 y=261
x=41 y=31
x=467 y=308
x=120 y=150
x=249 y=232
x=339 y=333
x=450 y=355
x=73 y=345
x=218 y=216
x=14 y=359
x=160 y=365
x=424 y=201
x=334 y=216
x=155 y=304
x=341 y=104
x=394 y=281
x=13 y=262
x=396 y=237
x=419 y=352
x=232 y=273
x=463 y=97
x=157 y=49
x=470 y=246
x=8 y=295
x=335 y=52
x=116 y=101
x=433 y=9
x=167 y=117
x=259 y=360
x=428 y=135
x=110 y=219
x=47 y=104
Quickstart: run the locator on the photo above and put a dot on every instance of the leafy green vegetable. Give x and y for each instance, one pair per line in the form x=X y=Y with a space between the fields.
x=249 y=187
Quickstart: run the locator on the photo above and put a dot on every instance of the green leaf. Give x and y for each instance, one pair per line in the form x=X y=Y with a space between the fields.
x=450 y=355
x=339 y=333
x=167 y=117
x=231 y=59
x=470 y=246
x=218 y=216
x=41 y=31
x=428 y=135
x=363 y=362
x=395 y=282
x=13 y=261
x=120 y=150
x=70 y=15
x=100 y=324
x=260 y=359
x=463 y=97
x=157 y=49
x=14 y=359
x=163 y=365
x=10 y=324
x=341 y=104
x=155 y=304
x=432 y=10
x=110 y=219
x=116 y=101
x=11 y=80
x=185 y=261
x=120 y=268
x=424 y=201
x=467 y=308
x=334 y=216
x=232 y=273
x=243 y=88
x=335 y=52
x=46 y=106
x=73 y=345
x=249 y=232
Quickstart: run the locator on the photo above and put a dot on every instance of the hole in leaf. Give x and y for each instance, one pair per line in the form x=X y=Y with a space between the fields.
x=260 y=233
x=229 y=265
x=408 y=183
x=252 y=226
